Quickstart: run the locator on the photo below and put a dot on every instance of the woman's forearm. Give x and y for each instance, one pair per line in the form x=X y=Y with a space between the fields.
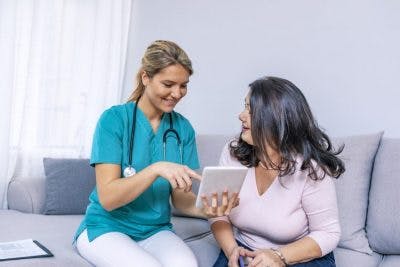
x=185 y=202
x=223 y=233
x=115 y=193
x=302 y=250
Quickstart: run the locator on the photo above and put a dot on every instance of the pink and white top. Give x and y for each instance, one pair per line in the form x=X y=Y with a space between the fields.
x=287 y=211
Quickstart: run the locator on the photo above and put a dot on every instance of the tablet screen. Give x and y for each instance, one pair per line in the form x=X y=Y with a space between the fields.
x=217 y=179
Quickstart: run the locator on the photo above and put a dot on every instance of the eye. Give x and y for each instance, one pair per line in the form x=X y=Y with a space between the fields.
x=167 y=85
x=184 y=86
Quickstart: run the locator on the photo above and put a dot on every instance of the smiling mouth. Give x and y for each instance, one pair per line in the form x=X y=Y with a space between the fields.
x=170 y=102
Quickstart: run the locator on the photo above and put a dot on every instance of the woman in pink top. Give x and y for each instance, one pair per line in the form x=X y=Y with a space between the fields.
x=287 y=214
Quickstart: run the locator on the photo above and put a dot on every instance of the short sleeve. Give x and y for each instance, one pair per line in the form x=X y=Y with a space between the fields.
x=320 y=204
x=107 y=139
x=190 y=156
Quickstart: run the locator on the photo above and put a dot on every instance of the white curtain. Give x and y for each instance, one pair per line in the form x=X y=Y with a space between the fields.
x=63 y=63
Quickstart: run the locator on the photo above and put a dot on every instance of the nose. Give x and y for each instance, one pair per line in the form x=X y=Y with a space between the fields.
x=176 y=92
x=242 y=116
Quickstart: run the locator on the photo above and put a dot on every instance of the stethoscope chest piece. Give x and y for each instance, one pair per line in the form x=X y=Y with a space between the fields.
x=129 y=171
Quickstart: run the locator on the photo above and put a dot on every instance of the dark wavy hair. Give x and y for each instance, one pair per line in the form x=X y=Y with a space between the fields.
x=281 y=118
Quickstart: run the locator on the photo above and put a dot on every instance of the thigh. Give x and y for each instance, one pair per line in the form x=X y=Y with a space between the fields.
x=114 y=249
x=222 y=260
x=169 y=249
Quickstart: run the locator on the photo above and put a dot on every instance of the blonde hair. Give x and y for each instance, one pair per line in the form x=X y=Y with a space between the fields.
x=159 y=55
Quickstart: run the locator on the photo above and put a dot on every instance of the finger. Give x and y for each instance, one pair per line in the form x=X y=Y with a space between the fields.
x=243 y=251
x=173 y=183
x=256 y=261
x=188 y=182
x=180 y=182
x=192 y=173
x=236 y=202
x=231 y=203
x=224 y=199
x=249 y=253
x=204 y=200
x=214 y=203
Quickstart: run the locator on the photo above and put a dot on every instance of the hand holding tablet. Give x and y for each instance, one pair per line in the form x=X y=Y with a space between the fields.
x=217 y=180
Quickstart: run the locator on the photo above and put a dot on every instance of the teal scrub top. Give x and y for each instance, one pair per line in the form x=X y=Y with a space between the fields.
x=150 y=212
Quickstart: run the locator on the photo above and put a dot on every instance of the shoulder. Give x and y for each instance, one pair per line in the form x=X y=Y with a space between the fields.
x=183 y=123
x=325 y=181
x=181 y=120
x=114 y=116
x=226 y=158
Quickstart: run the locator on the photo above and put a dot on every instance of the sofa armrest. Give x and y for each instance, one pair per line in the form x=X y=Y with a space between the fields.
x=26 y=194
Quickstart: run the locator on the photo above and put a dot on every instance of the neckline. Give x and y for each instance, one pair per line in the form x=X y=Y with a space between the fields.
x=143 y=119
x=256 y=187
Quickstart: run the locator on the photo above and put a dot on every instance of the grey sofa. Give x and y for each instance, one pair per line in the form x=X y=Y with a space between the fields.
x=367 y=196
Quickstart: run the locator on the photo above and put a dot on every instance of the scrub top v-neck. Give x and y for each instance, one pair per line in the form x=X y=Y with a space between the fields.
x=150 y=212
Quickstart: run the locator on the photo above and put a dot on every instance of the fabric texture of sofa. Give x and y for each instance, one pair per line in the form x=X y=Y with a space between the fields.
x=49 y=209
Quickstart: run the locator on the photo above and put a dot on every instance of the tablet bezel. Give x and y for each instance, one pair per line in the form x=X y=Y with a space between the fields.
x=217 y=179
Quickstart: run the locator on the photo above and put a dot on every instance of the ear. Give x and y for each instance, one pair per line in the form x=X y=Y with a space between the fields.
x=145 y=78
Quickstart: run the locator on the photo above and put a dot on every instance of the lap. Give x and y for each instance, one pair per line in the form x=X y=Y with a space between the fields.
x=117 y=249
x=326 y=261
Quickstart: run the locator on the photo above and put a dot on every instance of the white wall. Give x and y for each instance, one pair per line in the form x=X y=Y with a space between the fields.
x=344 y=55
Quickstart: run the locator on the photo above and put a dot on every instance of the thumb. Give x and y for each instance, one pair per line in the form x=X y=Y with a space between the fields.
x=248 y=253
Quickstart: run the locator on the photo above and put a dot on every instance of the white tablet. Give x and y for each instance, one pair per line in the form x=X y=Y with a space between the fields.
x=217 y=179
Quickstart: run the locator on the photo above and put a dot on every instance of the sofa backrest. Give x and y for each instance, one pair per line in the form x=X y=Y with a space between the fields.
x=28 y=194
x=209 y=148
x=383 y=221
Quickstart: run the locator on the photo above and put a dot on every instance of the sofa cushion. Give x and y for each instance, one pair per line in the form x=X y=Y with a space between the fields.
x=390 y=261
x=351 y=258
x=383 y=219
x=68 y=185
x=54 y=232
x=190 y=228
x=352 y=189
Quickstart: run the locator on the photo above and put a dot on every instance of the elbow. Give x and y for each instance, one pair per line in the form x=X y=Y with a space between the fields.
x=106 y=204
x=327 y=241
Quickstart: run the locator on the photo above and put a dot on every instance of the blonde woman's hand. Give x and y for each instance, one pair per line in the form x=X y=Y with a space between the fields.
x=179 y=176
x=214 y=210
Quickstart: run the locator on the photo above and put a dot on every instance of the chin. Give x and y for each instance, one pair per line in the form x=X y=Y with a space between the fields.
x=246 y=138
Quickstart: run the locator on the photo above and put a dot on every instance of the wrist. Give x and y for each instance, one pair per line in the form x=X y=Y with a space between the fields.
x=153 y=170
x=279 y=254
x=230 y=251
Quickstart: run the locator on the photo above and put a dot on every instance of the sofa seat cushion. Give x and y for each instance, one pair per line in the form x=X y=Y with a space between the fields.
x=190 y=228
x=352 y=189
x=206 y=250
x=55 y=232
x=383 y=221
x=390 y=261
x=351 y=258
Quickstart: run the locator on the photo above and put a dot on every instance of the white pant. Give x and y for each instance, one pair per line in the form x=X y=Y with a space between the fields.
x=164 y=249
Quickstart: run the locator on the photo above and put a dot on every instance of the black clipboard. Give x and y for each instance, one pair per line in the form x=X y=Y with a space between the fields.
x=46 y=253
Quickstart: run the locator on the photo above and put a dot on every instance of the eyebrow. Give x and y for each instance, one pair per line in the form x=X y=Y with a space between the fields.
x=169 y=81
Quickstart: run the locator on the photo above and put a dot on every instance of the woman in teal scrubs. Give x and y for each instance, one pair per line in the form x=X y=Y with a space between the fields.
x=127 y=222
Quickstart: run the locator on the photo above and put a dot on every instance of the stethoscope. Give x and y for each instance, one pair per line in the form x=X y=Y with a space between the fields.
x=129 y=171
